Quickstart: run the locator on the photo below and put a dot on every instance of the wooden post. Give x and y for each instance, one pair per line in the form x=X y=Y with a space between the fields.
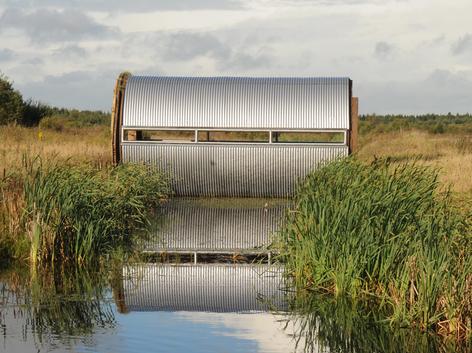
x=354 y=133
x=117 y=114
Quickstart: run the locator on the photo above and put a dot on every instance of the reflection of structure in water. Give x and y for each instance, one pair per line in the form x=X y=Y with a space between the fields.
x=211 y=288
x=194 y=226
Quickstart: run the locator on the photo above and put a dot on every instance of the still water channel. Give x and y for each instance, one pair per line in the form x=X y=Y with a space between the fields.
x=222 y=306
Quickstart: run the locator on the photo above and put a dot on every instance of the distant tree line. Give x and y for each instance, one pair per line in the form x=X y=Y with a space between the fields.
x=433 y=123
x=15 y=110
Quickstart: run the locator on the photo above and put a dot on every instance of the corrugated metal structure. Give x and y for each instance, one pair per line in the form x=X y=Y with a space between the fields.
x=237 y=102
x=195 y=106
x=210 y=288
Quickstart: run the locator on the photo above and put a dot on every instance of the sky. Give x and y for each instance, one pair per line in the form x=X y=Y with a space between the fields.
x=404 y=56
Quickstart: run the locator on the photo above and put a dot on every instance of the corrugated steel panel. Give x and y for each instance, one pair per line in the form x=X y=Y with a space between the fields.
x=210 y=288
x=189 y=225
x=233 y=170
x=237 y=102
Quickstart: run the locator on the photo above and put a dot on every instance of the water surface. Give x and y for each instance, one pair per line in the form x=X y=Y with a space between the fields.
x=186 y=307
x=154 y=307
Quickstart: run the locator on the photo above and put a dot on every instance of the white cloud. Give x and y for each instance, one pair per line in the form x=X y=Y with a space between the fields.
x=133 y=6
x=265 y=329
x=46 y=25
x=383 y=50
x=384 y=46
x=462 y=45
x=79 y=89
x=442 y=91
x=6 y=54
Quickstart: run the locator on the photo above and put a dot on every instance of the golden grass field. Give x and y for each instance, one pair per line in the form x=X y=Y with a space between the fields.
x=451 y=153
x=88 y=144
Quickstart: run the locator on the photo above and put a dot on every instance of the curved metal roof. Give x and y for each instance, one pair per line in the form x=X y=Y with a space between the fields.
x=237 y=102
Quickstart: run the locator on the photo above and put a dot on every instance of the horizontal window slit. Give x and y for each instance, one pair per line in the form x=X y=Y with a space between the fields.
x=307 y=137
x=233 y=136
x=160 y=135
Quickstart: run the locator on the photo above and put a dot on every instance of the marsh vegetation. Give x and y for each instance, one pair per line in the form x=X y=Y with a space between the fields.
x=55 y=210
x=386 y=233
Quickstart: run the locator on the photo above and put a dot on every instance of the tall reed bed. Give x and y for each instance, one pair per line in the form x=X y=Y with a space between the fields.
x=75 y=213
x=385 y=233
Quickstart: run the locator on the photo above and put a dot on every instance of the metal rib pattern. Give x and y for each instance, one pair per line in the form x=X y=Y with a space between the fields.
x=237 y=102
x=189 y=226
x=233 y=170
x=210 y=288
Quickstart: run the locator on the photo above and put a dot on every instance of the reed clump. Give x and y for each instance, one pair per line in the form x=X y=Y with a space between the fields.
x=76 y=213
x=384 y=233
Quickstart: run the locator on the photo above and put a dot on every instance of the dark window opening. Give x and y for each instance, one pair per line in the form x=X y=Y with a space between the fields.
x=233 y=136
x=204 y=136
x=160 y=135
x=307 y=137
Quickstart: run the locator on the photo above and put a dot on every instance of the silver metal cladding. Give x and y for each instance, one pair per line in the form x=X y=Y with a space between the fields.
x=237 y=102
x=237 y=168
x=233 y=170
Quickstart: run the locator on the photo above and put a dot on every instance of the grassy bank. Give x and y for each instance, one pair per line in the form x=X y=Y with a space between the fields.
x=73 y=212
x=388 y=233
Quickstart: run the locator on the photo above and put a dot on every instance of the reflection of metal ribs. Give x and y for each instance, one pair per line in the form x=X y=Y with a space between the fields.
x=187 y=227
x=212 y=288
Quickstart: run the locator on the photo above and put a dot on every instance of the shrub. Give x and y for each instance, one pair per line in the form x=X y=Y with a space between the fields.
x=11 y=102
x=33 y=112
x=56 y=123
x=438 y=129
x=67 y=122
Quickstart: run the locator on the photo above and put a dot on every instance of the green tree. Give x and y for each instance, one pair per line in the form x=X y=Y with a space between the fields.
x=11 y=102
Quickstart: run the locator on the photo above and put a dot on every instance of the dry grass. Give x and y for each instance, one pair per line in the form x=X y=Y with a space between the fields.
x=90 y=144
x=451 y=153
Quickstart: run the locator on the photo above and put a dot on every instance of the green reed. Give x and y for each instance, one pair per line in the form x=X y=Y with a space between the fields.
x=75 y=213
x=385 y=232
